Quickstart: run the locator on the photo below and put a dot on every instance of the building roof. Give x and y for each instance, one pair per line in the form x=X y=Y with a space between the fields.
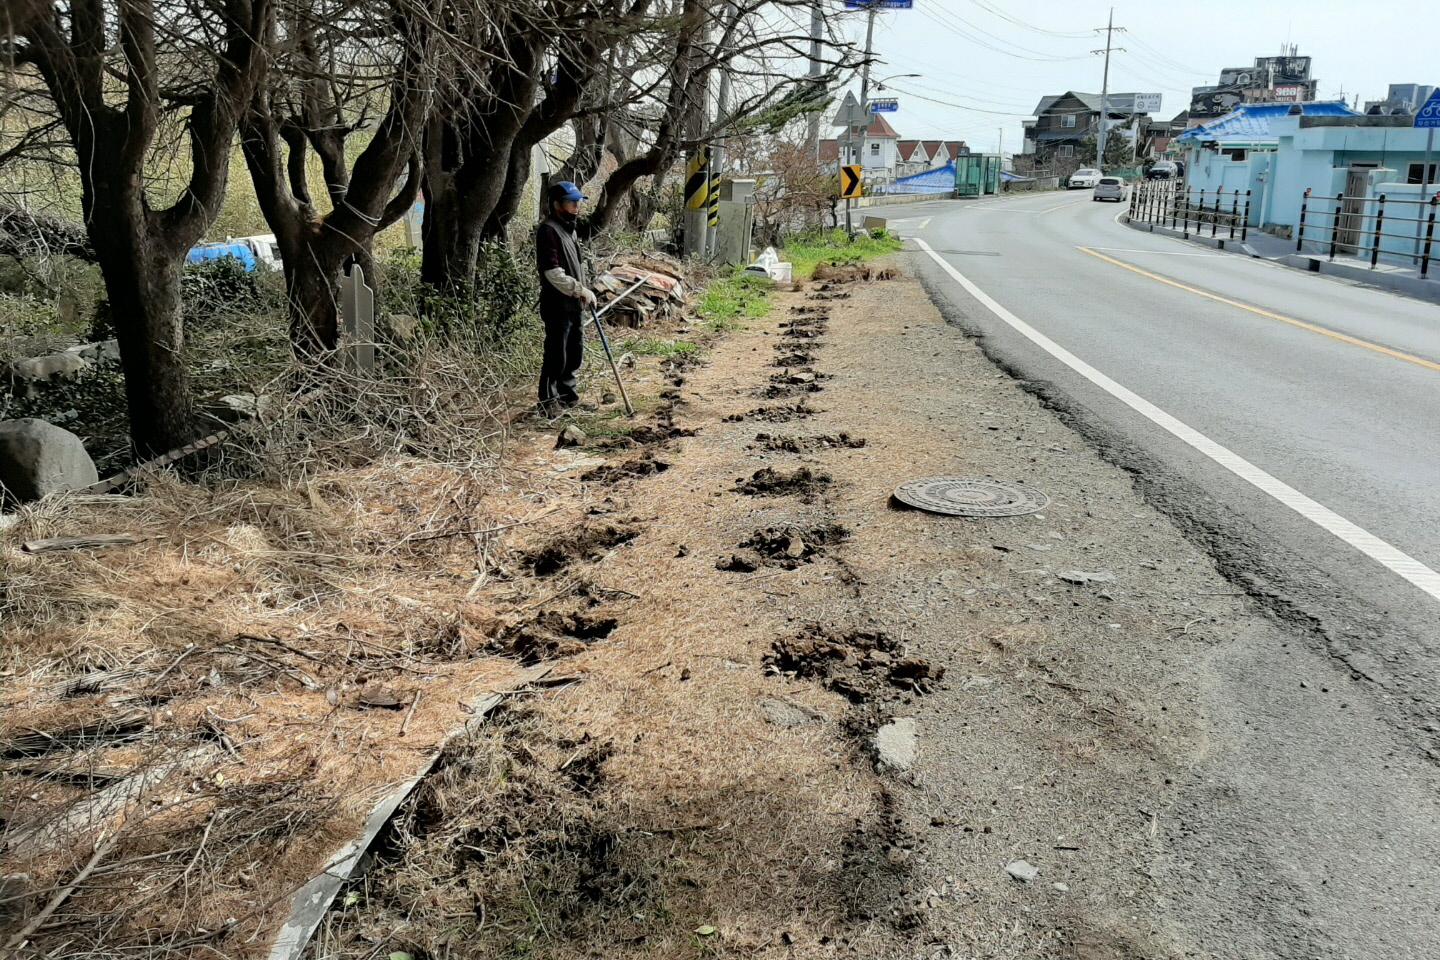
x=907 y=150
x=880 y=127
x=829 y=151
x=1114 y=102
x=1251 y=121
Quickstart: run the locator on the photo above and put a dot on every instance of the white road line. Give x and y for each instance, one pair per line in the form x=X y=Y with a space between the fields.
x=924 y=223
x=1356 y=536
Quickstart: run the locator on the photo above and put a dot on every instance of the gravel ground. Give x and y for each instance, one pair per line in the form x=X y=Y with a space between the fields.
x=756 y=609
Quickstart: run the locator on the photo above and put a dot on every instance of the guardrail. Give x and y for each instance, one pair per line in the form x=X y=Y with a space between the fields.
x=1191 y=209
x=1356 y=225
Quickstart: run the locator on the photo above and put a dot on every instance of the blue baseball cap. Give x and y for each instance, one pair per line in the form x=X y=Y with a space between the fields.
x=565 y=190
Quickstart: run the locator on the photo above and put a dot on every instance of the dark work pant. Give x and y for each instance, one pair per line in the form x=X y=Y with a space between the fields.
x=564 y=348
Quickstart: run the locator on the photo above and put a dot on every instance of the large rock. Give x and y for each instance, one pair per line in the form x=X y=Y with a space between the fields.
x=50 y=367
x=39 y=458
x=21 y=376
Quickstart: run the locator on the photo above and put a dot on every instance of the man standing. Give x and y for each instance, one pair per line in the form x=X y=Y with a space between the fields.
x=563 y=297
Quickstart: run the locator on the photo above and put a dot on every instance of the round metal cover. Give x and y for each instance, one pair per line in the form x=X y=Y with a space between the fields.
x=966 y=497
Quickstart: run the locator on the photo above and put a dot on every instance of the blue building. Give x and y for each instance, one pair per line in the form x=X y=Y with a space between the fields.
x=1277 y=151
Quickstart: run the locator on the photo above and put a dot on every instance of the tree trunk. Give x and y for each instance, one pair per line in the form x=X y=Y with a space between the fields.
x=459 y=204
x=450 y=237
x=312 y=283
x=142 y=280
x=508 y=203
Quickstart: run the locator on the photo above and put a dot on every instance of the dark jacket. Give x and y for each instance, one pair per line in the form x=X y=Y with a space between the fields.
x=556 y=246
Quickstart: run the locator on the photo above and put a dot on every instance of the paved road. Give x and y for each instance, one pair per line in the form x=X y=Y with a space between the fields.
x=1291 y=423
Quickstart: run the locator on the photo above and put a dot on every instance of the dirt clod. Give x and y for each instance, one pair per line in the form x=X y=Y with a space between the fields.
x=769 y=482
x=790 y=547
x=789 y=444
x=783 y=414
x=588 y=543
x=851 y=273
x=611 y=473
x=796 y=359
x=552 y=635
x=780 y=391
x=860 y=665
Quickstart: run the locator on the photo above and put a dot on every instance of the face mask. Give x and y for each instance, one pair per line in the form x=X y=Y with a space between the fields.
x=567 y=216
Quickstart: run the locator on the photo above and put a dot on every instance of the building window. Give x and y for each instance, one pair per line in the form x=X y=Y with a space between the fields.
x=874 y=149
x=1066 y=150
x=1068 y=120
x=1234 y=153
x=1413 y=176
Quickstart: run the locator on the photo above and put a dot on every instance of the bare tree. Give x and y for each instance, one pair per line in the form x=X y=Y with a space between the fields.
x=128 y=80
x=761 y=47
x=339 y=64
x=546 y=59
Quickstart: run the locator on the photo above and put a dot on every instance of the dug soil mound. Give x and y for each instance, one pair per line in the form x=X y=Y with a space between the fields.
x=805 y=483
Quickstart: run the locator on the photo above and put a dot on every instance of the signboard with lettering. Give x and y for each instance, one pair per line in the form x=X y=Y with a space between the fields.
x=884 y=106
x=1429 y=114
x=1147 y=103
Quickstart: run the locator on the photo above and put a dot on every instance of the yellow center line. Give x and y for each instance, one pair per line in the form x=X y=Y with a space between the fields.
x=1266 y=313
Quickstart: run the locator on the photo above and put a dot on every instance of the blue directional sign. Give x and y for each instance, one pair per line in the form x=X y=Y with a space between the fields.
x=1429 y=115
x=879 y=4
x=884 y=106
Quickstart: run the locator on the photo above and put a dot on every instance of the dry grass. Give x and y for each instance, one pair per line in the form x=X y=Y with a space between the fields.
x=377 y=542
x=191 y=707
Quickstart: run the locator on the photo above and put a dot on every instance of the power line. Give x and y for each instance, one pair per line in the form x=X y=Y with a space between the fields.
x=1028 y=26
x=945 y=24
x=961 y=106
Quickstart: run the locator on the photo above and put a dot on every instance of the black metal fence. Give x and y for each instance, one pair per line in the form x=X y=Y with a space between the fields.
x=1357 y=226
x=1192 y=210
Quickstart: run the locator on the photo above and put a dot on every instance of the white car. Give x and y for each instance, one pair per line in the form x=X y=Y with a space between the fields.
x=1109 y=188
x=1083 y=178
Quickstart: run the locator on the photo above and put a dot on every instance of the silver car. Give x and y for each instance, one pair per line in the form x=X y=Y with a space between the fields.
x=1109 y=188
x=1083 y=178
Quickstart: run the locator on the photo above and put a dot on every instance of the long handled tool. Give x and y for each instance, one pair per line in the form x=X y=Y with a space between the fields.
x=625 y=293
x=605 y=342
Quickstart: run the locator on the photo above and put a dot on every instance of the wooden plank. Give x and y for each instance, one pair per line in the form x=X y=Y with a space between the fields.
x=97 y=541
x=312 y=901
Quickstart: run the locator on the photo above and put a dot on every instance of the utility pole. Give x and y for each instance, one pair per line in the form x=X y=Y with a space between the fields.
x=697 y=166
x=817 y=34
x=719 y=131
x=1110 y=30
x=864 y=103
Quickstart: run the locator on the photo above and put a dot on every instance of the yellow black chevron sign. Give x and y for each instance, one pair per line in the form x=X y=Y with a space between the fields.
x=714 y=198
x=697 y=180
x=851 y=184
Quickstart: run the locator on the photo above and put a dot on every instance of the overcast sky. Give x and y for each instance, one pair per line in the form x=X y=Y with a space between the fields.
x=990 y=61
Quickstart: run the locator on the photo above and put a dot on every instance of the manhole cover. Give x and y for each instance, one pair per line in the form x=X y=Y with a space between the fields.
x=964 y=497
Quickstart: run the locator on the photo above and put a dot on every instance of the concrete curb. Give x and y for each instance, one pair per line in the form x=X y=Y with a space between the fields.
x=1413 y=287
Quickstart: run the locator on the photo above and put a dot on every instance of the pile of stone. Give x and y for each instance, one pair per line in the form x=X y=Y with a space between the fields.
x=661 y=294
